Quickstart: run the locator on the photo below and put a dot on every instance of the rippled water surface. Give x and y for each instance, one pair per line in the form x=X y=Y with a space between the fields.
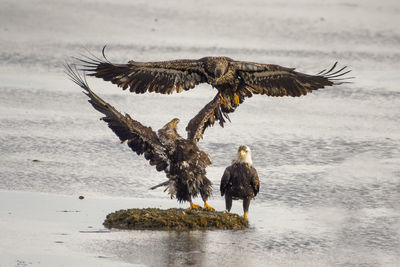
x=328 y=162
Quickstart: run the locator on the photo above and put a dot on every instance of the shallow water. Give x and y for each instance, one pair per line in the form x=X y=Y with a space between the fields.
x=328 y=162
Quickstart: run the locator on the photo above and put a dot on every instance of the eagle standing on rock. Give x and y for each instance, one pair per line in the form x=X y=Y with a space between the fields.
x=181 y=159
x=240 y=180
x=234 y=80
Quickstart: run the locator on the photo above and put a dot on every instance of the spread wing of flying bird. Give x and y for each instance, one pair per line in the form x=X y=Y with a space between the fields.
x=234 y=80
x=181 y=159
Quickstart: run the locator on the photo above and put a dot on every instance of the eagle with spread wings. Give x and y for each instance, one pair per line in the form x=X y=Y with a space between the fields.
x=234 y=80
x=181 y=159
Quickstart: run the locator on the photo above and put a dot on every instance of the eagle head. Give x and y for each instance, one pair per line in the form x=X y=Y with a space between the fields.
x=172 y=124
x=243 y=155
x=168 y=133
x=216 y=66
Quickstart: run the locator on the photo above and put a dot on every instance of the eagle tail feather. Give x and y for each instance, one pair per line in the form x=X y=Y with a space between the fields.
x=161 y=184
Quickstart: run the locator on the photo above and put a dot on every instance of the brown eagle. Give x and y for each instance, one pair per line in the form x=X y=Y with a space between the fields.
x=181 y=159
x=234 y=80
x=240 y=180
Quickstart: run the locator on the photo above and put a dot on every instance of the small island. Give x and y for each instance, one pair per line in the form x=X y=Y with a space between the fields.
x=174 y=219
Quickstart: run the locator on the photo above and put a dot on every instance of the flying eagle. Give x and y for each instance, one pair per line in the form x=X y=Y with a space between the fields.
x=234 y=80
x=240 y=180
x=181 y=159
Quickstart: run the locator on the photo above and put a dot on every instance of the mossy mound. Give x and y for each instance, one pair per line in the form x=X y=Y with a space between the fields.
x=174 y=219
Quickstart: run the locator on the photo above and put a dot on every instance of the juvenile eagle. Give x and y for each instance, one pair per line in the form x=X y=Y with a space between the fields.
x=181 y=159
x=240 y=180
x=234 y=80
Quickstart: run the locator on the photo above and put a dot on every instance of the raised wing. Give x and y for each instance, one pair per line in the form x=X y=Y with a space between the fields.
x=274 y=80
x=141 y=139
x=205 y=118
x=163 y=77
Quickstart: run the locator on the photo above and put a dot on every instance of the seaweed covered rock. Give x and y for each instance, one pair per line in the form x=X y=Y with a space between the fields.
x=174 y=219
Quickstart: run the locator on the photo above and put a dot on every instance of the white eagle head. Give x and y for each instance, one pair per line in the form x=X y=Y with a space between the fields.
x=243 y=155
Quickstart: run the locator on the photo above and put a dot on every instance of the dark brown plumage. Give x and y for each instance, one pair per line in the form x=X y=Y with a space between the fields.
x=240 y=180
x=234 y=80
x=181 y=159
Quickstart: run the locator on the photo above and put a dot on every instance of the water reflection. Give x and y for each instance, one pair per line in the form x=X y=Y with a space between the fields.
x=185 y=248
x=158 y=248
x=193 y=248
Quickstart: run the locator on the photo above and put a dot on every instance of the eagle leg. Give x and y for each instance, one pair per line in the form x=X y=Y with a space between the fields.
x=222 y=98
x=208 y=207
x=235 y=99
x=194 y=206
x=246 y=204
x=228 y=202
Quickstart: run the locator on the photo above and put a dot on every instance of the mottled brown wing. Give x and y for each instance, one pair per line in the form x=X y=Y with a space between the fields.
x=141 y=139
x=274 y=80
x=163 y=77
x=205 y=118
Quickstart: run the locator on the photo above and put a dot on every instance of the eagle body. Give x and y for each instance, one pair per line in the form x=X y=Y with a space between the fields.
x=240 y=180
x=180 y=158
x=234 y=80
x=187 y=172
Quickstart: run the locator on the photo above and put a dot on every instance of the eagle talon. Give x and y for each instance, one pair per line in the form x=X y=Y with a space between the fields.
x=194 y=206
x=235 y=99
x=222 y=98
x=208 y=207
x=245 y=215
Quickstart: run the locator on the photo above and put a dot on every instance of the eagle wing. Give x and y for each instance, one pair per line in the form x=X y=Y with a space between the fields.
x=141 y=139
x=274 y=80
x=226 y=177
x=255 y=181
x=163 y=77
x=205 y=118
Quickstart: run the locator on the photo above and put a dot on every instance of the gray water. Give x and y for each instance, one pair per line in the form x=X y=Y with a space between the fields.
x=328 y=162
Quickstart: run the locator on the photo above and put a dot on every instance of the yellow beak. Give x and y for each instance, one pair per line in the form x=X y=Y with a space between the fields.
x=174 y=122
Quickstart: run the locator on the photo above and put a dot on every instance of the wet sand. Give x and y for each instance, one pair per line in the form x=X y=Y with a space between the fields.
x=41 y=229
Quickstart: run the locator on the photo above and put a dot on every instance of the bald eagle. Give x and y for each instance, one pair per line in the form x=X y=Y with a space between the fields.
x=240 y=180
x=181 y=159
x=234 y=80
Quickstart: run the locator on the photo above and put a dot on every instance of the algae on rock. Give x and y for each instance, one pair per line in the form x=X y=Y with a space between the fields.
x=174 y=219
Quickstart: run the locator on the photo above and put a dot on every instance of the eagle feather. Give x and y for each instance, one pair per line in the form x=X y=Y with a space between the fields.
x=233 y=79
x=181 y=159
